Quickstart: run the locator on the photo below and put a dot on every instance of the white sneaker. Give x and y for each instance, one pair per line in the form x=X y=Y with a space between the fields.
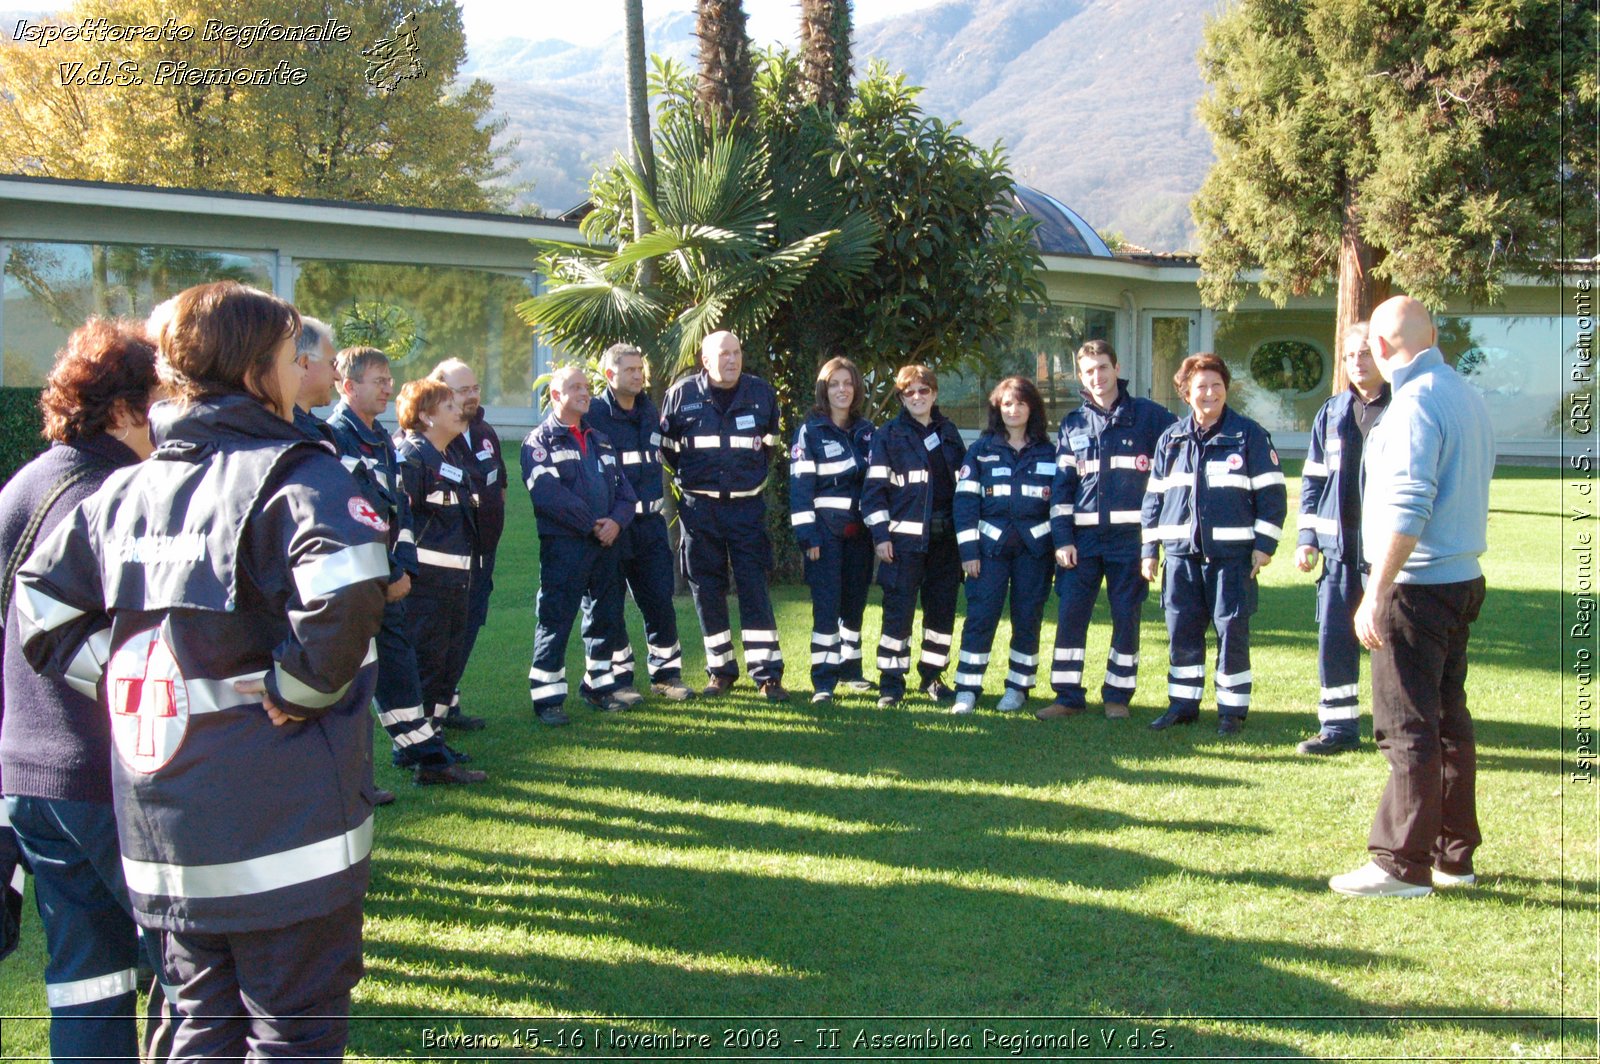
x=1370 y=881
x=1011 y=701
x=966 y=702
x=1442 y=878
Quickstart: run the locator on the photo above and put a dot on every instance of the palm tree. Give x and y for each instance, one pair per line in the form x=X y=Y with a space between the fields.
x=715 y=245
x=725 y=92
x=640 y=151
x=825 y=52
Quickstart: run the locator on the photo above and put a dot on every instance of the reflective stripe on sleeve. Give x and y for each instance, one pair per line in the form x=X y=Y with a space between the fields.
x=1268 y=529
x=1267 y=480
x=321 y=576
x=43 y=612
x=1124 y=517
x=89 y=664
x=257 y=875
x=1313 y=469
x=302 y=693
x=443 y=560
x=906 y=528
x=1233 y=534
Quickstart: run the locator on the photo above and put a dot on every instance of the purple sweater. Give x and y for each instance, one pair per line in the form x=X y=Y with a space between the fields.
x=54 y=742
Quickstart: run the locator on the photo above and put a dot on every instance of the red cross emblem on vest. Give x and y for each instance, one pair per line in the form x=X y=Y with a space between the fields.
x=149 y=702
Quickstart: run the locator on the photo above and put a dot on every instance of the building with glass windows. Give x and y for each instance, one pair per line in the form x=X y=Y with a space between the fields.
x=444 y=283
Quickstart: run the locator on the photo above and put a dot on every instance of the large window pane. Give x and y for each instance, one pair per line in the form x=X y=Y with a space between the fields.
x=1282 y=365
x=1519 y=366
x=1043 y=349
x=423 y=315
x=51 y=289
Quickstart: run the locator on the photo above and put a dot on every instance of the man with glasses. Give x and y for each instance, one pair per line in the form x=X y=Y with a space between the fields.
x=1330 y=524
x=476 y=450
x=313 y=349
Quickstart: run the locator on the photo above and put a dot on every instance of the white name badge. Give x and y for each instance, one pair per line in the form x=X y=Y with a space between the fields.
x=1078 y=443
x=1045 y=469
x=931 y=442
x=494 y=474
x=449 y=472
x=1216 y=469
x=745 y=421
x=485 y=454
x=1000 y=470
x=832 y=450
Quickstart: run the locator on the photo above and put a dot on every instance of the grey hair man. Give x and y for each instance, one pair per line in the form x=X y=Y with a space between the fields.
x=477 y=450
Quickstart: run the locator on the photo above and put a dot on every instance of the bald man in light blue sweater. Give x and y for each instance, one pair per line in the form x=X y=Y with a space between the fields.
x=1424 y=524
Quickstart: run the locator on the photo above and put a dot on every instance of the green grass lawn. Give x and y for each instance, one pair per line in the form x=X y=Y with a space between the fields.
x=734 y=866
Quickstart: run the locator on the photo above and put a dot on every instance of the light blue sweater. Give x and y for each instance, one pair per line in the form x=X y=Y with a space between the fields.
x=1426 y=471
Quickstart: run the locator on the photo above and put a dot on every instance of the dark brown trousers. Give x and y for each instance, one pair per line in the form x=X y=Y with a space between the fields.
x=1428 y=815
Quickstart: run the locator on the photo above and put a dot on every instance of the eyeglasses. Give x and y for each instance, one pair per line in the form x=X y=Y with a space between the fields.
x=1359 y=352
x=916 y=393
x=472 y=390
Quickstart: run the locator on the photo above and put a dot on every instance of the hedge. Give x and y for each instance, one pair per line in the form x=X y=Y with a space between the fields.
x=21 y=426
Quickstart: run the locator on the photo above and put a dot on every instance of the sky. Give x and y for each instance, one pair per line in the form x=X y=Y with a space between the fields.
x=590 y=23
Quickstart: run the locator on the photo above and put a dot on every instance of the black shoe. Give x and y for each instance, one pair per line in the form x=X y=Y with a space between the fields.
x=382 y=797
x=719 y=686
x=1172 y=716
x=554 y=716
x=428 y=775
x=606 y=703
x=457 y=757
x=937 y=691
x=773 y=691
x=1227 y=726
x=462 y=722
x=1327 y=743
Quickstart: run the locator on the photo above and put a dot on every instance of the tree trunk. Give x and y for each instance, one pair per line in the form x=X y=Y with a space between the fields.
x=1359 y=290
x=727 y=76
x=640 y=152
x=825 y=53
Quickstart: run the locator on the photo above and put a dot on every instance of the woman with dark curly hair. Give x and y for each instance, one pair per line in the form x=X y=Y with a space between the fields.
x=55 y=739
x=1002 y=512
x=224 y=596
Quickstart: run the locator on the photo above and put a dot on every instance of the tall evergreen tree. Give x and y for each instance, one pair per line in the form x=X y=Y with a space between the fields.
x=727 y=73
x=825 y=52
x=1414 y=145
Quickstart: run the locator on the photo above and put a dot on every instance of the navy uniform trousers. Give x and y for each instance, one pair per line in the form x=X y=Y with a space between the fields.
x=1199 y=594
x=839 y=580
x=401 y=710
x=648 y=571
x=1078 y=589
x=936 y=573
x=436 y=625
x=570 y=569
x=282 y=993
x=1027 y=576
x=477 y=616
x=1339 y=591
x=718 y=535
